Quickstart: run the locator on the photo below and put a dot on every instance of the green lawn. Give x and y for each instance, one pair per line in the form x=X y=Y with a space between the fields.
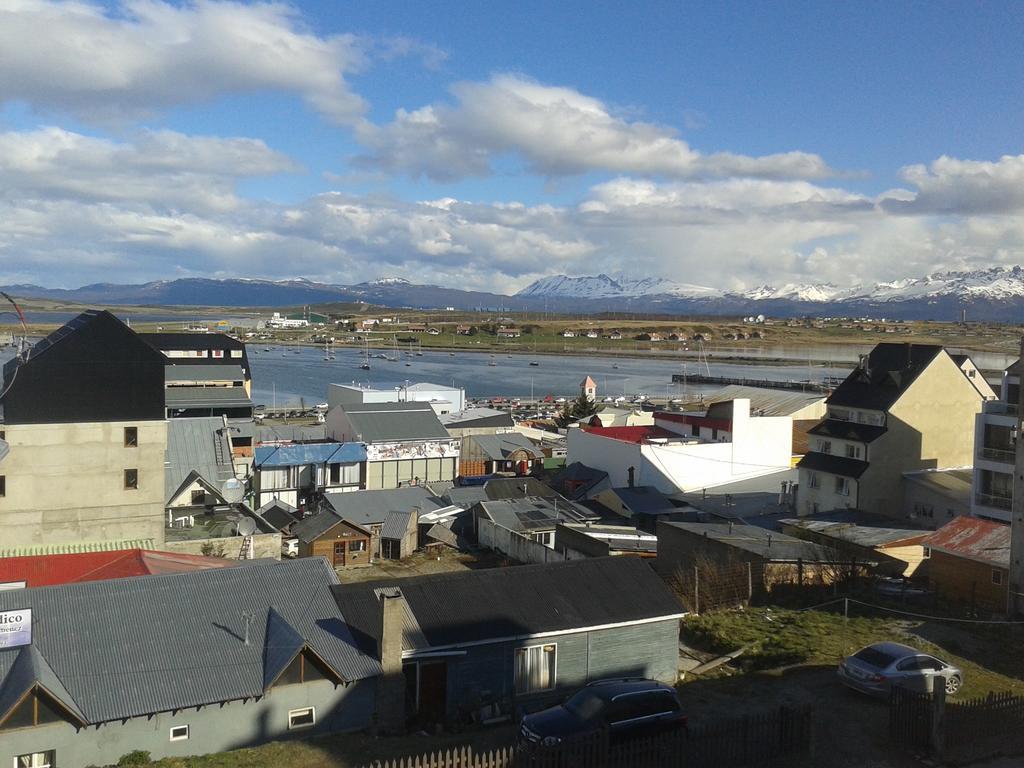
x=991 y=658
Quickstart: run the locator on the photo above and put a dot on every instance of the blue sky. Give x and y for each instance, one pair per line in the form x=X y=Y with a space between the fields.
x=487 y=145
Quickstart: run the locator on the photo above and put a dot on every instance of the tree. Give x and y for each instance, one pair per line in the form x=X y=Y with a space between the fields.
x=576 y=410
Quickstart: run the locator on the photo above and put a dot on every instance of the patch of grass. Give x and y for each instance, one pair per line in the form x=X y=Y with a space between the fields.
x=780 y=637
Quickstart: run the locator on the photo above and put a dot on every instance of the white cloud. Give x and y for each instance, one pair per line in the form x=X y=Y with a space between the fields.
x=555 y=131
x=158 y=167
x=122 y=62
x=952 y=186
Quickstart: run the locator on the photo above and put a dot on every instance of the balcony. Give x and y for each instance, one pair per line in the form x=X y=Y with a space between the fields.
x=996 y=502
x=999 y=408
x=1005 y=455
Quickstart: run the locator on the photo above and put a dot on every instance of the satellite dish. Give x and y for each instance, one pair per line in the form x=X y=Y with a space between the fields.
x=232 y=491
x=246 y=526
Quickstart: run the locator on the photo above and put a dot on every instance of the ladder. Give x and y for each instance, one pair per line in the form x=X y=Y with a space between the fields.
x=245 y=553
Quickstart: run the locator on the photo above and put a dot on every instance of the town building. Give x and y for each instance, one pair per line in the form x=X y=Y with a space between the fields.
x=389 y=516
x=933 y=497
x=84 y=420
x=299 y=473
x=343 y=543
x=535 y=517
x=277 y=320
x=969 y=565
x=508 y=639
x=684 y=452
x=104 y=672
x=207 y=374
x=898 y=551
x=405 y=442
x=906 y=407
x=444 y=400
x=995 y=450
x=508 y=453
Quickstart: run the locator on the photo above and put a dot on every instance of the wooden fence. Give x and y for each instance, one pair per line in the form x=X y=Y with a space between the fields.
x=754 y=740
x=965 y=730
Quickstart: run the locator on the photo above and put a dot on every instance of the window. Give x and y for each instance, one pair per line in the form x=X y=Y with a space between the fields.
x=970 y=373
x=179 y=733
x=131 y=437
x=131 y=479
x=842 y=486
x=852 y=451
x=535 y=668
x=824 y=446
x=3 y=485
x=236 y=353
x=302 y=669
x=36 y=760
x=997 y=576
x=357 y=546
x=301 y=718
x=813 y=481
x=218 y=353
x=198 y=497
x=335 y=474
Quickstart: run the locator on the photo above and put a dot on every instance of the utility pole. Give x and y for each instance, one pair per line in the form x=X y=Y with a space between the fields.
x=1016 y=585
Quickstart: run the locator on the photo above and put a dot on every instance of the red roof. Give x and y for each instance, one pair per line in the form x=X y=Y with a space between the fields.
x=631 y=434
x=975 y=539
x=47 y=570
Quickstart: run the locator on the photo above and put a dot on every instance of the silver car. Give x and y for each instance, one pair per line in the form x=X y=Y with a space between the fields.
x=877 y=668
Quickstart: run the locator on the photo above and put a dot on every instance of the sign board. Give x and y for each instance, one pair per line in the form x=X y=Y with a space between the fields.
x=15 y=628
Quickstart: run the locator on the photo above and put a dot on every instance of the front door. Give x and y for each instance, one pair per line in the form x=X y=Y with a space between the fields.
x=433 y=698
x=339 y=554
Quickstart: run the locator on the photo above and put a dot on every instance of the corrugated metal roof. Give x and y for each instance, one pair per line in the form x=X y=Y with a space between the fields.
x=311 y=528
x=131 y=647
x=833 y=465
x=372 y=507
x=299 y=454
x=382 y=422
x=973 y=538
x=770 y=545
x=46 y=570
x=196 y=445
x=29 y=670
x=279 y=514
x=481 y=605
x=198 y=397
x=862 y=535
x=533 y=513
x=500 y=447
x=395 y=525
x=32 y=550
x=767 y=402
x=204 y=373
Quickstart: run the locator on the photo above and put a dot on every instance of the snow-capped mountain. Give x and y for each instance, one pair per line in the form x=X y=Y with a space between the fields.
x=604 y=287
x=799 y=292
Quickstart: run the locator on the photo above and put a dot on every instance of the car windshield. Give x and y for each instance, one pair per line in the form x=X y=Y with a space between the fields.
x=586 y=705
x=874 y=657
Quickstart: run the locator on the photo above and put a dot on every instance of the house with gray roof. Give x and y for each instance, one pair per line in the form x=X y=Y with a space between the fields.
x=405 y=442
x=535 y=517
x=516 y=637
x=509 y=452
x=198 y=463
x=298 y=473
x=180 y=664
x=391 y=516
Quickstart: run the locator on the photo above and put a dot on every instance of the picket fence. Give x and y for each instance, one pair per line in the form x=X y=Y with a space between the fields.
x=753 y=740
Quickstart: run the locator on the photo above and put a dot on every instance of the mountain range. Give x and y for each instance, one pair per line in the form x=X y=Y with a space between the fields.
x=990 y=294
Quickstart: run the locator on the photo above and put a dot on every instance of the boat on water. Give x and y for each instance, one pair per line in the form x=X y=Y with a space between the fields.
x=534 y=363
x=491 y=362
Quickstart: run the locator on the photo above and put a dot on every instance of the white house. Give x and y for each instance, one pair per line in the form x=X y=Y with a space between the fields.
x=442 y=399
x=684 y=452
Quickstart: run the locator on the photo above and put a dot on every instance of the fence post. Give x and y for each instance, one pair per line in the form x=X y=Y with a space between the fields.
x=938 y=725
x=750 y=584
x=696 y=590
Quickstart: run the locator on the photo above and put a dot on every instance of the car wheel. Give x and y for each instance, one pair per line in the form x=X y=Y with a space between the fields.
x=953 y=684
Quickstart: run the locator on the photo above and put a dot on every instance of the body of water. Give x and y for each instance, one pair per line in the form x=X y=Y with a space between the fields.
x=285 y=375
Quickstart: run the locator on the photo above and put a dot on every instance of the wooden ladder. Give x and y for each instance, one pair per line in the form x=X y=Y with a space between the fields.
x=243 y=553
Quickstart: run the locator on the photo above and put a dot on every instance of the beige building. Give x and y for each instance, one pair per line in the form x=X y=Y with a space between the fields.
x=905 y=408
x=84 y=418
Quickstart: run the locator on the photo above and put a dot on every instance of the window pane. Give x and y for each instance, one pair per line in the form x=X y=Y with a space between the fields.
x=20 y=717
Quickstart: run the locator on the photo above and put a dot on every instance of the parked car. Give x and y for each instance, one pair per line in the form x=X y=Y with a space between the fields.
x=876 y=668
x=290 y=547
x=626 y=708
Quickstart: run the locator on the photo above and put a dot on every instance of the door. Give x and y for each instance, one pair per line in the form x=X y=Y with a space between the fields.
x=433 y=694
x=339 y=554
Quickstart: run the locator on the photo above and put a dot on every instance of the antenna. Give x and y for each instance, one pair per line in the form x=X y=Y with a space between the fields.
x=248 y=618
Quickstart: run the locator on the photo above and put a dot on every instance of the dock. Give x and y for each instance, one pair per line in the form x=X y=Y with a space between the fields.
x=824 y=387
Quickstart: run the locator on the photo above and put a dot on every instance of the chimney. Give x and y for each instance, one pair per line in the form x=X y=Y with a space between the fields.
x=769 y=539
x=391 y=684
x=632 y=479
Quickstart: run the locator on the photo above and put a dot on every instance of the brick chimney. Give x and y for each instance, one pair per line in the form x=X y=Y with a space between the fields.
x=391 y=684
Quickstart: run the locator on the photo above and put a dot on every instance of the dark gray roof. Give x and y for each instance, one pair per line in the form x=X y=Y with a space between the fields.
x=279 y=514
x=224 y=372
x=372 y=507
x=833 y=465
x=644 y=499
x=579 y=475
x=311 y=528
x=272 y=433
x=500 y=447
x=466 y=496
x=383 y=422
x=490 y=604
x=131 y=647
x=199 y=397
x=886 y=373
x=533 y=513
x=395 y=525
x=770 y=545
x=517 y=488
x=443 y=534
x=862 y=535
x=196 y=445
x=847 y=430
x=477 y=418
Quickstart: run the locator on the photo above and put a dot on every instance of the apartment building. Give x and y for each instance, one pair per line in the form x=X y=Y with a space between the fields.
x=83 y=415
x=906 y=407
x=995 y=450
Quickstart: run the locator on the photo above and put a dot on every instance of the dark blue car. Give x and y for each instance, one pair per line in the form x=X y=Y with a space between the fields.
x=623 y=708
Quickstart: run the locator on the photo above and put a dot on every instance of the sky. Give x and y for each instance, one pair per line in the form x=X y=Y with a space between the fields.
x=486 y=145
